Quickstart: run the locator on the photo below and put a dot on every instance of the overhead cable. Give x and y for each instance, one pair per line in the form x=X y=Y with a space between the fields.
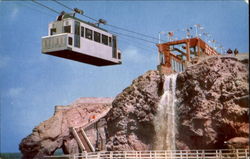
x=45 y=6
x=120 y=28
x=63 y=5
x=132 y=37
x=118 y=33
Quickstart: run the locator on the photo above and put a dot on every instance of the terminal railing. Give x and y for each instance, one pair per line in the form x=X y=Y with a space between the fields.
x=173 y=154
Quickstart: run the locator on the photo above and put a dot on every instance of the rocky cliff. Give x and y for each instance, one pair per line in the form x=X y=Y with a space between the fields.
x=130 y=121
x=212 y=109
x=54 y=133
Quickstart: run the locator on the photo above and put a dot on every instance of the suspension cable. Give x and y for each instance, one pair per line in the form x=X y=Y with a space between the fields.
x=118 y=33
x=136 y=42
x=137 y=45
x=63 y=5
x=120 y=28
x=122 y=34
x=45 y=6
x=132 y=31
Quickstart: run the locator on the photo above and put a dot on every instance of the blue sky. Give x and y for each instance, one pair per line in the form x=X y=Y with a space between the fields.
x=32 y=83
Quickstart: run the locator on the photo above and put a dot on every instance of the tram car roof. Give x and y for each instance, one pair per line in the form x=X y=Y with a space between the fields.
x=65 y=16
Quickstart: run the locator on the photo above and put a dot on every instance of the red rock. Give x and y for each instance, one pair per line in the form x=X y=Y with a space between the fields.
x=212 y=107
x=54 y=133
x=212 y=110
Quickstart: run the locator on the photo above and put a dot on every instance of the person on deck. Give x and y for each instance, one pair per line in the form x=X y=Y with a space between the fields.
x=229 y=51
x=236 y=52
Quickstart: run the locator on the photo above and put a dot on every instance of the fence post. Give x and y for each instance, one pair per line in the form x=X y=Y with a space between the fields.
x=98 y=155
x=203 y=154
x=111 y=155
x=125 y=154
x=237 y=153
x=220 y=154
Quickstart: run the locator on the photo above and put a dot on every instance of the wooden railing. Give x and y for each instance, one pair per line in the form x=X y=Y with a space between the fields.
x=176 y=154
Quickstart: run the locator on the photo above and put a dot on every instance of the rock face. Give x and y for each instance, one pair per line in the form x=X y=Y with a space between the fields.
x=130 y=121
x=213 y=104
x=54 y=133
x=212 y=108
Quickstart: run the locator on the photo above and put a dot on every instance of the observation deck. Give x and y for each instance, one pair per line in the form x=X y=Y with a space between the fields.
x=175 y=56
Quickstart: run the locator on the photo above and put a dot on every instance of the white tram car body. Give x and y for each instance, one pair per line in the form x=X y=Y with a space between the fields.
x=74 y=39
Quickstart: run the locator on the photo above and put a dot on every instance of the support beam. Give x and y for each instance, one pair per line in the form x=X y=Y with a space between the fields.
x=87 y=140
x=183 y=53
x=199 y=48
x=73 y=130
x=188 y=51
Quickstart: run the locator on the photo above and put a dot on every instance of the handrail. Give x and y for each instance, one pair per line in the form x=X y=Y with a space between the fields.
x=163 y=154
x=55 y=42
x=61 y=34
x=86 y=125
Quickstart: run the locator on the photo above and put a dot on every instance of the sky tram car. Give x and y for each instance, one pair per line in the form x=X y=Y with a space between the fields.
x=74 y=39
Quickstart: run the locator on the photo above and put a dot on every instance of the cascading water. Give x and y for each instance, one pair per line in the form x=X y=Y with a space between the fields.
x=165 y=118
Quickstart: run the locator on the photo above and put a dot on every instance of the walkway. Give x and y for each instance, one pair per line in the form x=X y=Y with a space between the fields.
x=177 y=154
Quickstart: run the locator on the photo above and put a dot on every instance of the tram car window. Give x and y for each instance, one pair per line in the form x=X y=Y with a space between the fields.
x=74 y=39
x=88 y=34
x=82 y=31
x=52 y=31
x=105 y=39
x=97 y=37
x=67 y=29
x=70 y=41
x=110 y=41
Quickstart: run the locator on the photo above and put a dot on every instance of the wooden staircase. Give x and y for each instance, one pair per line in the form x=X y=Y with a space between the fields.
x=82 y=140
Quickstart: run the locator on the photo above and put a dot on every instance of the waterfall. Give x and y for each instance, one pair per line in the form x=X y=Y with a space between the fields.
x=164 y=121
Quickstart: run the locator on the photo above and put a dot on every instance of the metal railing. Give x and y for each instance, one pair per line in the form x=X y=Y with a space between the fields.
x=55 y=42
x=177 y=66
x=174 y=154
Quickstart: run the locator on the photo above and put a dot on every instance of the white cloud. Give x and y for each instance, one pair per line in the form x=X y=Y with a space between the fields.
x=15 y=92
x=4 y=60
x=132 y=54
x=14 y=13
